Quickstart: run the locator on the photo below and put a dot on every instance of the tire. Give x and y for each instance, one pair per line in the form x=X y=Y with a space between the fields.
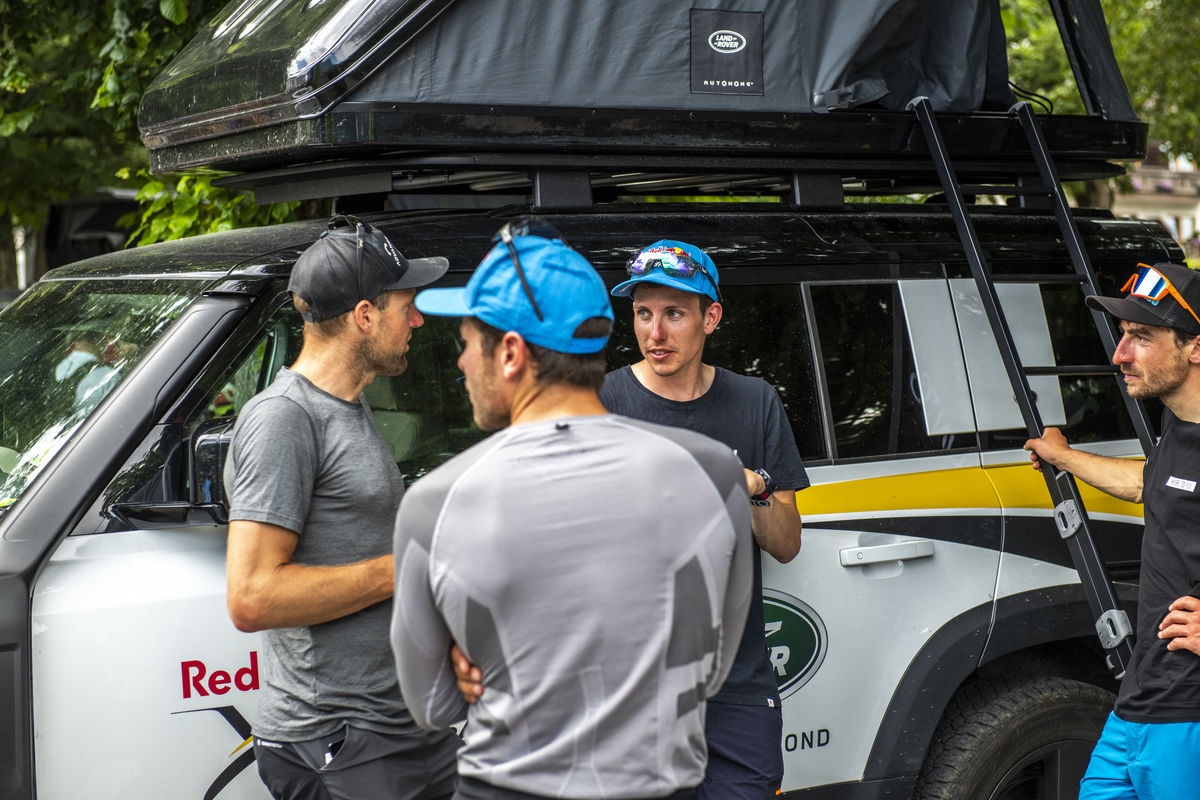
x=1014 y=741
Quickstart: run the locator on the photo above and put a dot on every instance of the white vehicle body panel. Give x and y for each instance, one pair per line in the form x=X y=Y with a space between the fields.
x=131 y=645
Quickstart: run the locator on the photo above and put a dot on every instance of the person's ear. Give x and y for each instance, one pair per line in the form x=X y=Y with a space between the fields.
x=513 y=354
x=712 y=317
x=1194 y=350
x=363 y=315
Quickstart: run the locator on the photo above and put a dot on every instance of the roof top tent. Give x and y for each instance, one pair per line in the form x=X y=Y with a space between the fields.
x=319 y=98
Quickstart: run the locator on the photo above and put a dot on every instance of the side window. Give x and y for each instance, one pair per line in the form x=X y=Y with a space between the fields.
x=872 y=388
x=1095 y=410
x=153 y=489
x=424 y=414
x=764 y=333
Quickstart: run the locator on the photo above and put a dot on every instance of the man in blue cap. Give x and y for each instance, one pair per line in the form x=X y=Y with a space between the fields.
x=595 y=569
x=674 y=287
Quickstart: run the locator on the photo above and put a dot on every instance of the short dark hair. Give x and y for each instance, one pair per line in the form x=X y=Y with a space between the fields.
x=582 y=370
x=1182 y=338
x=329 y=328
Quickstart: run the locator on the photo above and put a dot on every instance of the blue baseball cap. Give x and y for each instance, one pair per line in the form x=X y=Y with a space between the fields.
x=545 y=295
x=676 y=264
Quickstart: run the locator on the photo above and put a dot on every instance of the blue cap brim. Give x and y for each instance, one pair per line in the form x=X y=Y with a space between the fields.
x=450 y=302
x=660 y=277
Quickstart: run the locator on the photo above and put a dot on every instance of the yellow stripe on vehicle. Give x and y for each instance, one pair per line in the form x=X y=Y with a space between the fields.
x=1009 y=487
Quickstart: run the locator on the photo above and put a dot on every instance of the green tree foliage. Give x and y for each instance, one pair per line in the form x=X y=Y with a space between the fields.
x=1156 y=47
x=72 y=73
x=192 y=205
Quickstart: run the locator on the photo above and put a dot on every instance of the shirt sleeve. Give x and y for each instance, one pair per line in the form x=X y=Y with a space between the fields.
x=272 y=433
x=782 y=455
x=420 y=637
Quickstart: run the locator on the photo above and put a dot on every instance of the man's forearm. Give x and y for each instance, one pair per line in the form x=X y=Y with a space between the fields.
x=777 y=526
x=292 y=595
x=1119 y=477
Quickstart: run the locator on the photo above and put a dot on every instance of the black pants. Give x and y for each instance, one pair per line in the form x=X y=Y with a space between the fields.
x=360 y=765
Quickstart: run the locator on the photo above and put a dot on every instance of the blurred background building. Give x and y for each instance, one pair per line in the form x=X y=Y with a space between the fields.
x=1165 y=189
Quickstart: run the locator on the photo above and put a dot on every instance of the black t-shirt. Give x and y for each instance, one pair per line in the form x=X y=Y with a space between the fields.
x=746 y=415
x=1163 y=685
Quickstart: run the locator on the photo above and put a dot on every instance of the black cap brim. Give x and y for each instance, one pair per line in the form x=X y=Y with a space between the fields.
x=421 y=272
x=1132 y=309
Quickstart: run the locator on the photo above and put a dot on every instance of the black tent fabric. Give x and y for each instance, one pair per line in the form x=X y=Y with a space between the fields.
x=263 y=61
x=275 y=83
x=791 y=56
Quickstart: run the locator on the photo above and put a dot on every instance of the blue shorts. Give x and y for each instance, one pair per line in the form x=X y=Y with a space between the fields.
x=1144 y=761
x=745 y=752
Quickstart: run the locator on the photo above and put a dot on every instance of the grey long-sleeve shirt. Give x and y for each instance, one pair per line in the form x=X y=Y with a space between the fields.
x=598 y=571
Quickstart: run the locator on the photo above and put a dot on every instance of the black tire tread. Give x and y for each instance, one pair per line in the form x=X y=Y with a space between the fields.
x=991 y=718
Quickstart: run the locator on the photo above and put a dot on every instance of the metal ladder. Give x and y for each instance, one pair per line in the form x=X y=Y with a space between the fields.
x=1112 y=623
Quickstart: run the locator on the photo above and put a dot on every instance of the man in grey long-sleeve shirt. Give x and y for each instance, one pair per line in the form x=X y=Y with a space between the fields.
x=597 y=569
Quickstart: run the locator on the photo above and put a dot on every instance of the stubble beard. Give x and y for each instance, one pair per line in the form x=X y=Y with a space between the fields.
x=1160 y=384
x=383 y=362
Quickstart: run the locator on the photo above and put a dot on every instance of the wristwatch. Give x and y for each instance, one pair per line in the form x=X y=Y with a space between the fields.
x=764 y=499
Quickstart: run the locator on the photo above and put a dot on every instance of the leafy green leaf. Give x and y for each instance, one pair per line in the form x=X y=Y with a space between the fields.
x=174 y=10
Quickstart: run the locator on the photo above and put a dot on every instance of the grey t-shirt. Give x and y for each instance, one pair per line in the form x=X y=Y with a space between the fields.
x=598 y=570
x=310 y=462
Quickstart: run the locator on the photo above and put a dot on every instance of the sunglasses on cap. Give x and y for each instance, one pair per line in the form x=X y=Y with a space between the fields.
x=672 y=261
x=1152 y=286
x=362 y=229
x=525 y=226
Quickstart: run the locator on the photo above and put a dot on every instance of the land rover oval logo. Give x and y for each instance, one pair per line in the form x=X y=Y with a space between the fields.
x=796 y=640
x=726 y=41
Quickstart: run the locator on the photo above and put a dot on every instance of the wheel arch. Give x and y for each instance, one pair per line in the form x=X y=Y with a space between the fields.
x=1044 y=632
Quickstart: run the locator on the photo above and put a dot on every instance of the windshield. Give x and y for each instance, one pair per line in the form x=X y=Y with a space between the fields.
x=63 y=347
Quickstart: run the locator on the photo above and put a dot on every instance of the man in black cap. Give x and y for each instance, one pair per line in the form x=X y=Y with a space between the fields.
x=1150 y=743
x=313 y=491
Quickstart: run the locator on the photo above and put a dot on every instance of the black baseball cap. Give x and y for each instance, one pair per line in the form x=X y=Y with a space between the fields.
x=1166 y=295
x=353 y=261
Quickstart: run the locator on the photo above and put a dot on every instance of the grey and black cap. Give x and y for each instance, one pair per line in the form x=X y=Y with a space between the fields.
x=353 y=261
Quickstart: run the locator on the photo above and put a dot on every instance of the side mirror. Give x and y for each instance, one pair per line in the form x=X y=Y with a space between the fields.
x=206 y=503
x=210 y=445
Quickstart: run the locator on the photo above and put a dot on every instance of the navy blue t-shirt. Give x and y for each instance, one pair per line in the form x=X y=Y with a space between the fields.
x=746 y=415
x=1163 y=685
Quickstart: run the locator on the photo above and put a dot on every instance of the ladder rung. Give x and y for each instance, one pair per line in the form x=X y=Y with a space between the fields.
x=1030 y=278
x=1073 y=369
x=1004 y=189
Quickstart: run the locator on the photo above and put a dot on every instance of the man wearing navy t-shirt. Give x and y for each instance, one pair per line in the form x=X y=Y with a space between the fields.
x=676 y=301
